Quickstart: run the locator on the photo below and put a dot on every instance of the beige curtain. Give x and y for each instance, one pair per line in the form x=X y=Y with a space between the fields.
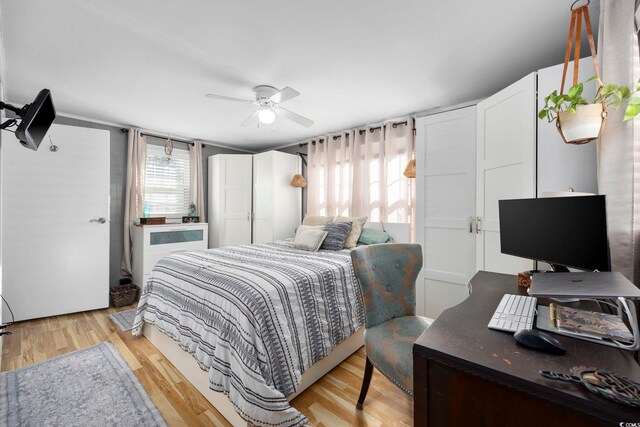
x=619 y=145
x=134 y=191
x=359 y=172
x=329 y=174
x=196 y=179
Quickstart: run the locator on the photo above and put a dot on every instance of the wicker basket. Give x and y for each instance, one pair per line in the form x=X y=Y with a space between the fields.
x=123 y=295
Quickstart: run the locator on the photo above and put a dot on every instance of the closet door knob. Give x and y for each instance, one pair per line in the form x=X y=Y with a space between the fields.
x=99 y=220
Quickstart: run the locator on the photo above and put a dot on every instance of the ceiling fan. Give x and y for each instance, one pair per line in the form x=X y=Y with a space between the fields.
x=268 y=99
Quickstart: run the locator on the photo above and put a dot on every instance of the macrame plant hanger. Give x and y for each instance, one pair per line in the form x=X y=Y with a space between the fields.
x=168 y=146
x=575 y=31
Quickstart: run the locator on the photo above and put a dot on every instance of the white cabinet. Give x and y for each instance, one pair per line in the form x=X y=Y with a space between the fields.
x=465 y=164
x=276 y=204
x=520 y=156
x=153 y=242
x=230 y=180
x=251 y=199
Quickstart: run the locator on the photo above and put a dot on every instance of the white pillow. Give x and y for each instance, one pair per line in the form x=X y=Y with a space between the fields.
x=357 y=224
x=309 y=238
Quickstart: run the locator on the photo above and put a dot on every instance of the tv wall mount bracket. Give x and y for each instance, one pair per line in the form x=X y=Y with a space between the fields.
x=19 y=111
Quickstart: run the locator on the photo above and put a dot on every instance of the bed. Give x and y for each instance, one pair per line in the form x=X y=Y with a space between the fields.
x=253 y=326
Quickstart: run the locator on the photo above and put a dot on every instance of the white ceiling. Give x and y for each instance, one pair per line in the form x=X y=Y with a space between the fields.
x=148 y=63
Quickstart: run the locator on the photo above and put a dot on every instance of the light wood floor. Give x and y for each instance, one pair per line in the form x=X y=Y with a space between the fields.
x=329 y=402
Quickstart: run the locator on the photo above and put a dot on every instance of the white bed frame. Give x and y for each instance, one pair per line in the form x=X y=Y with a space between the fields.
x=187 y=365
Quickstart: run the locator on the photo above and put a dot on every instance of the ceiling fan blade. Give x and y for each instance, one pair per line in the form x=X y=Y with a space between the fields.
x=302 y=121
x=284 y=95
x=228 y=98
x=252 y=120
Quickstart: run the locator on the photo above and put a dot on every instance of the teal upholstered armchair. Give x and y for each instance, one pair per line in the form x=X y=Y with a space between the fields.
x=387 y=275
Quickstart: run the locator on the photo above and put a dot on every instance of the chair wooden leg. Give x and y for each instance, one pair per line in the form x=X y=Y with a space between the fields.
x=368 y=373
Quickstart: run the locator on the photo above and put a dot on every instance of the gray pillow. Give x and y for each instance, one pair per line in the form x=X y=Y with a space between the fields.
x=357 y=223
x=337 y=233
x=309 y=239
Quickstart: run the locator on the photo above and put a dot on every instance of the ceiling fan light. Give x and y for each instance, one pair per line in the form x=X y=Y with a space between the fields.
x=266 y=116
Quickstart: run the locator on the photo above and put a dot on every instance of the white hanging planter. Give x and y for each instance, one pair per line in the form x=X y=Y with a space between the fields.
x=583 y=126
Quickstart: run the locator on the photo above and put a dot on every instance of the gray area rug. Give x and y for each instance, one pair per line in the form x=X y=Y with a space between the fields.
x=90 y=387
x=124 y=319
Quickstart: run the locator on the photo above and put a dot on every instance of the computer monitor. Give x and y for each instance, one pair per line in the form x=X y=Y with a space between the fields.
x=562 y=231
x=37 y=117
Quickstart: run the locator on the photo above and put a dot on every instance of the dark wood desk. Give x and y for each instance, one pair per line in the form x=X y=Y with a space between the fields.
x=468 y=375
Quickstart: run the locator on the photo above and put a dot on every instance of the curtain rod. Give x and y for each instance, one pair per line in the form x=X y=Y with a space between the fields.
x=361 y=131
x=125 y=130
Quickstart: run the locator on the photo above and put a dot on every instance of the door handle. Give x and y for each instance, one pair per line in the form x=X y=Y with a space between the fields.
x=99 y=220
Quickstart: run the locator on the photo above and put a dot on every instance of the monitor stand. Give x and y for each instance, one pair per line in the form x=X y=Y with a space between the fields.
x=557 y=268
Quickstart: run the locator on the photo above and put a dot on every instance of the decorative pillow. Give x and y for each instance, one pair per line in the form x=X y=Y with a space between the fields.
x=309 y=239
x=370 y=236
x=308 y=227
x=316 y=220
x=337 y=233
x=357 y=224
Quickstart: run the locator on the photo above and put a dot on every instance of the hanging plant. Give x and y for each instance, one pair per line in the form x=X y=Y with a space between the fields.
x=580 y=120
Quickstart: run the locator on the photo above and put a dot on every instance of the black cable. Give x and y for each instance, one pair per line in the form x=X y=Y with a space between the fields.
x=13 y=319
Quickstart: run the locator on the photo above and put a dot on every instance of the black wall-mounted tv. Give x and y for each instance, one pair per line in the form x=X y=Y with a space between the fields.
x=562 y=231
x=37 y=117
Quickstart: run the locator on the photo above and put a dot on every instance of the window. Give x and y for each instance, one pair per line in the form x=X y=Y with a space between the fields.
x=166 y=186
x=361 y=173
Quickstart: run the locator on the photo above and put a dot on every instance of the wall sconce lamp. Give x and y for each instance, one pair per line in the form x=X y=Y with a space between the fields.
x=410 y=170
x=298 y=180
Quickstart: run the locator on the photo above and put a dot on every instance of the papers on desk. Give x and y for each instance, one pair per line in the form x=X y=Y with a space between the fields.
x=582 y=323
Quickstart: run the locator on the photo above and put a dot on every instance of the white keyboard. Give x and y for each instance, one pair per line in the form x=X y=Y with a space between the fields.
x=514 y=312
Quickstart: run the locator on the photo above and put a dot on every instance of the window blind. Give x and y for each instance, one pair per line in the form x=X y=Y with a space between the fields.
x=166 y=186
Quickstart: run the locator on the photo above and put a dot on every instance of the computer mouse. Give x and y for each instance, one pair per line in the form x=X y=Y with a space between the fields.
x=539 y=340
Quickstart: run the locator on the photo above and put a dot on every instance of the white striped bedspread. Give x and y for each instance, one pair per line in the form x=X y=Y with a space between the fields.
x=255 y=317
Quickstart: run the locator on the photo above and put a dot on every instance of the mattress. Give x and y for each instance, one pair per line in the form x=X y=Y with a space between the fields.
x=255 y=317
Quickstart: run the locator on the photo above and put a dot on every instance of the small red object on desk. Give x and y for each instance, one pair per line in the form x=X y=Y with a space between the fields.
x=524 y=279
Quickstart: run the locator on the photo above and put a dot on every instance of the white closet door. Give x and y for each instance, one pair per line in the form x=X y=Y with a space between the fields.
x=445 y=188
x=55 y=229
x=264 y=204
x=236 y=177
x=506 y=166
x=276 y=204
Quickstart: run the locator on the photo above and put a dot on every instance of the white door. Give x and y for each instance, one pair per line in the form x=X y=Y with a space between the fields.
x=276 y=204
x=506 y=166
x=445 y=189
x=55 y=223
x=236 y=176
x=263 y=197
